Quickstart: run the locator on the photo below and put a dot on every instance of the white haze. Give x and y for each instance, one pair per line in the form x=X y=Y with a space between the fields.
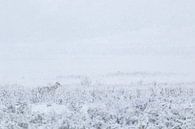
x=43 y=39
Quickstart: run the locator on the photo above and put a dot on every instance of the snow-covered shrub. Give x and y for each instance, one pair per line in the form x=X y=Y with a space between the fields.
x=56 y=107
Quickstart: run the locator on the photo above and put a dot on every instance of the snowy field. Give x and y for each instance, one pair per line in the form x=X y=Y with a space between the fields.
x=148 y=101
x=97 y=64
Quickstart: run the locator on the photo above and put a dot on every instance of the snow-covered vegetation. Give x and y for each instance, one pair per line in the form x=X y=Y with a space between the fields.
x=93 y=106
x=45 y=41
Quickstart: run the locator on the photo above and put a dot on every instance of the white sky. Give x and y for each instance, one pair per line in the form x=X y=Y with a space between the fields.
x=37 y=36
x=31 y=21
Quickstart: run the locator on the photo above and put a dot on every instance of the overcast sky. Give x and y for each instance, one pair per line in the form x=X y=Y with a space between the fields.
x=64 y=20
x=104 y=35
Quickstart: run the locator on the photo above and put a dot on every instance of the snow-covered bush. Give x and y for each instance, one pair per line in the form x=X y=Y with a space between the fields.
x=56 y=107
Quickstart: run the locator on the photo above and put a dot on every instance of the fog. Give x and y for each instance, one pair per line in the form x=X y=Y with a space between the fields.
x=41 y=38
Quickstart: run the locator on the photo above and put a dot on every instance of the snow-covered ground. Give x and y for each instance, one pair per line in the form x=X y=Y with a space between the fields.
x=99 y=106
x=101 y=64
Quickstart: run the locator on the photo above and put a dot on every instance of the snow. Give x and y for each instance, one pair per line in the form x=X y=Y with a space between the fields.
x=46 y=39
x=81 y=64
x=92 y=108
x=48 y=108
